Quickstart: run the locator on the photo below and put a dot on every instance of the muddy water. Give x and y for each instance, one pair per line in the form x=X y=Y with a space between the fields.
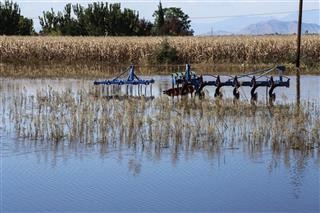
x=39 y=176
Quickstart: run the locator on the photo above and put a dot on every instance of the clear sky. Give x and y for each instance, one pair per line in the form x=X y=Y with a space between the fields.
x=196 y=9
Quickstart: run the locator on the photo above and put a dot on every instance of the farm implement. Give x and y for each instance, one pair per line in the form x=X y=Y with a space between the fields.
x=188 y=82
x=131 y=80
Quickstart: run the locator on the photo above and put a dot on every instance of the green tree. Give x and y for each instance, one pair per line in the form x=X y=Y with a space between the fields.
x=177 y=23
x=12 y=22
x=130 y=22
x=114 y=22
x=25 y=26
x=67 y=24
x=171 y=21
x=144 y=27
x=81 y=18
x=159 y=22
x=49 y=23
x=98 y=19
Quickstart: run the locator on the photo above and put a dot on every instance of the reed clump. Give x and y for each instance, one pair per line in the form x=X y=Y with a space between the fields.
x=72 y=117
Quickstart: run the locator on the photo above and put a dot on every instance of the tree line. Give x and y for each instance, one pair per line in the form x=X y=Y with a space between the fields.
x=12 y=22
x=96 y=19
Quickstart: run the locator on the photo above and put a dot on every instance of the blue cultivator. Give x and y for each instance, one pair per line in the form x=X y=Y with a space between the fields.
x=131 y=80
x=189 y=82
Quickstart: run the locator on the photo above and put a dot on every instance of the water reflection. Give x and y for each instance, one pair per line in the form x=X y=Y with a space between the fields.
x=296 y=162
x=52 y=152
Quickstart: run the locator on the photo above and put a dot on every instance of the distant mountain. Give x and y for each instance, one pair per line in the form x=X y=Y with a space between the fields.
x=230 y=25
x=238 y=23
x=276 y=26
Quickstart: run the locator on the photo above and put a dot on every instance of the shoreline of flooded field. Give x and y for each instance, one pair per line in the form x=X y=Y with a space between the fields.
x=92 y=70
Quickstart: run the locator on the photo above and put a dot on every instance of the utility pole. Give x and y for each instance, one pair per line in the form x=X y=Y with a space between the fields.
x=299 y=33
x=298 y=50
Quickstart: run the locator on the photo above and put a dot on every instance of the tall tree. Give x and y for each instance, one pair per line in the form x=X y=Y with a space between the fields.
x=81 y=18
x=25 y=26
x=171 y=21
x=49 y=22
x=98 y=19
x=177 y=23
x=159 y=21
x=144 y=27
x=11 y=20
x=96 y=15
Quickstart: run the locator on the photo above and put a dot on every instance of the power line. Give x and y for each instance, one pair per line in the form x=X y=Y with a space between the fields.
x=172 y=1
x=242 y=15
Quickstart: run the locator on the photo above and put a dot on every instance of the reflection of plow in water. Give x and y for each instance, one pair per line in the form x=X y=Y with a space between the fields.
x=189 y=82
x=124 y=97
x=131 y=80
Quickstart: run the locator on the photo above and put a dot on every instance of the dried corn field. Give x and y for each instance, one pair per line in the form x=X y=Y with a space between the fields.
x=140 y=50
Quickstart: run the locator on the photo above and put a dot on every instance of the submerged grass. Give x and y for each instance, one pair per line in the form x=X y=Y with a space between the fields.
x=164 y=123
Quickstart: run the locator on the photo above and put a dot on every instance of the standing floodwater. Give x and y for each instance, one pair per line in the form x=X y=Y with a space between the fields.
x=65 y=148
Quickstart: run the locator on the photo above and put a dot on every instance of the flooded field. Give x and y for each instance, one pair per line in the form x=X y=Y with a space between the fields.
x=66 y=147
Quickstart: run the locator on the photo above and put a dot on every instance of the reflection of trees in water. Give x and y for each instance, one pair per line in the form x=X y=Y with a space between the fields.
x=296 y=162
x=297 y=171
x=134 y=166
